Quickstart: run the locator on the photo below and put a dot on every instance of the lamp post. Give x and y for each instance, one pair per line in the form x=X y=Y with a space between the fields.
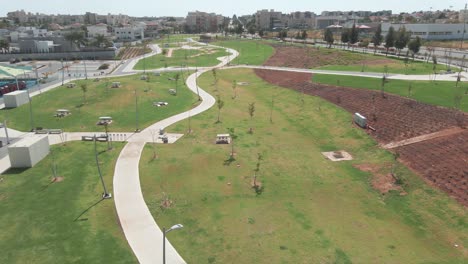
x=196 y=83
x=105 y=195
x=136 y=111
x=174 y=227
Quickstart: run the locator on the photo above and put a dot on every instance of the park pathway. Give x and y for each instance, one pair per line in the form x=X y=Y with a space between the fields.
x=140 y=228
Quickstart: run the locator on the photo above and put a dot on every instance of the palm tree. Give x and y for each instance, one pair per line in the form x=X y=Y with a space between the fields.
x=100 y=39
x=76 y=37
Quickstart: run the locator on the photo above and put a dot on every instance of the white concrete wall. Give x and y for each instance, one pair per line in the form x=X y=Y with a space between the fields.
x=15 y=99
x=29 y=151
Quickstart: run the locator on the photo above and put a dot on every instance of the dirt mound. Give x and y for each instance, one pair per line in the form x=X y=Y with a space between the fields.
x=442 y=160
x=383 y=182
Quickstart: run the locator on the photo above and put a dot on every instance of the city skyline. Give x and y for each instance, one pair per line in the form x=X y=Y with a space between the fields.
x=240 y=7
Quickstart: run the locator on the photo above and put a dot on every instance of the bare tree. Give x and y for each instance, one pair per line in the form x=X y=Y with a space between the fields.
x=234 y=86
x=84 y=89
x=251 y=114
x=220 y=104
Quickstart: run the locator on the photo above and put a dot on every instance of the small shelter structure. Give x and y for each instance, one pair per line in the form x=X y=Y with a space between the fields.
x=116 y=85
x=62 y=113
x=71 y=85
x=29 y=151
x=104 y=120
x=223 y=139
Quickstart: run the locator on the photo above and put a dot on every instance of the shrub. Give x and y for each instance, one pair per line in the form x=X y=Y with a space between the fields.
x=104 y=66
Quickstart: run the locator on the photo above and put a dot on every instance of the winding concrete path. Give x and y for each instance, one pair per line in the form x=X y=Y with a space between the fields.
x=140 y=228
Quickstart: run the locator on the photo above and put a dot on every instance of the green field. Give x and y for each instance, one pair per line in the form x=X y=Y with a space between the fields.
x=311 y=210
x=62 y=222
x=251 y=52
x=175 y=38
x=101 y=100
x=206 y=56
x=440 y=93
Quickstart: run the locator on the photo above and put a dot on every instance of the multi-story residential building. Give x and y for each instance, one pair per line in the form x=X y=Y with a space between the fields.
x=203 y=22
x=115 y=20
x=270 y=19
x=322 y=22
x=18 y=16
x=90 y=18
x=301 y=20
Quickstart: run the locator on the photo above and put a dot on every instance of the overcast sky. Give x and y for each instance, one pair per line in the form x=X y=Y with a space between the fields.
x=224 y=7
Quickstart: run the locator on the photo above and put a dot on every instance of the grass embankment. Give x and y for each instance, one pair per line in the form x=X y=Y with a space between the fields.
x=252 y=52
x=66 y=221
x=440 y=93
x=102 y=100
x=311 y=210
x=202 y=57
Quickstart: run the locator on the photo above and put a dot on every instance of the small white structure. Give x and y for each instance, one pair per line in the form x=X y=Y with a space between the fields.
x=71 y=85
x=16 y=99
x=223 y=139
x=104 y=120
x=144 y=77
x=172 y=91
x=62 y=113
x=360 y=120
x=340 y=155
x=115 y=85
x=29 y=151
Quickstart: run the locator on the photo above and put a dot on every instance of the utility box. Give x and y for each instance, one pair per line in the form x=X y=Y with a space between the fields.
x=29 y=151
x=15 y=99
x=360 y=120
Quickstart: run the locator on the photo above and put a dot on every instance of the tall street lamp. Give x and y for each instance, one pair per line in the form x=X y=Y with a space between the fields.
x=174 y=227
x=136 y=112
x=105 y=195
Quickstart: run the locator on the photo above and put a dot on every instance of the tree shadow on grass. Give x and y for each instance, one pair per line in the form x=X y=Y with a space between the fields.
x=86 y=210
x=230 y=160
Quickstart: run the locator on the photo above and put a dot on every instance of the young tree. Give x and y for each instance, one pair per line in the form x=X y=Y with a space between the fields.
x=345 y=36
x=328 y=37
x=377 y=38
x=414 y=45
x=220 y=104
x=304 y=34
x=401 y=39
x=234 y=86
x=233 y=138
x=257 y=170
x=84 y=89
x=251 y=114
x=382 y=88
x=176 y=78
x=390 y=39
x=353 y=35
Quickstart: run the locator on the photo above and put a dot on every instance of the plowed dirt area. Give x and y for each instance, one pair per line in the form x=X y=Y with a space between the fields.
x=312 y=57
x=131 y=52
x=396 y=118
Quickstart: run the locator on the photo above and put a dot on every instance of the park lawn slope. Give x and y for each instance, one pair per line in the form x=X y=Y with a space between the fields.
x=311 y=210
x=101 y=100
x=441 y=93
x=66 y=221
x=251 y=52
x=205 y=56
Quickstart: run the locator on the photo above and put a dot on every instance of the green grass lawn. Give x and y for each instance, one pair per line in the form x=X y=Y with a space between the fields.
x=101 y=100
x=207 y=56
x=311 y=210
x=440 y=93
x=395 y=66
x=252 y=52
x=62 y=222
x=174 y=38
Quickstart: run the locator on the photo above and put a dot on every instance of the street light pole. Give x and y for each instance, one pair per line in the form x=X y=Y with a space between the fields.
x=105 y=195
x=464 y=26
x=63 y=71
x=174 y=227
x=136 y=111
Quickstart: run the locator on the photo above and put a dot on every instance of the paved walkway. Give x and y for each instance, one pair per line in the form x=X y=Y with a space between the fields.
x=139 y=226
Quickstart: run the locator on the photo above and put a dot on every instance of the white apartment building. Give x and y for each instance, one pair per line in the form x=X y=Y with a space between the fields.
x=129 y=33
x=97 y=30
